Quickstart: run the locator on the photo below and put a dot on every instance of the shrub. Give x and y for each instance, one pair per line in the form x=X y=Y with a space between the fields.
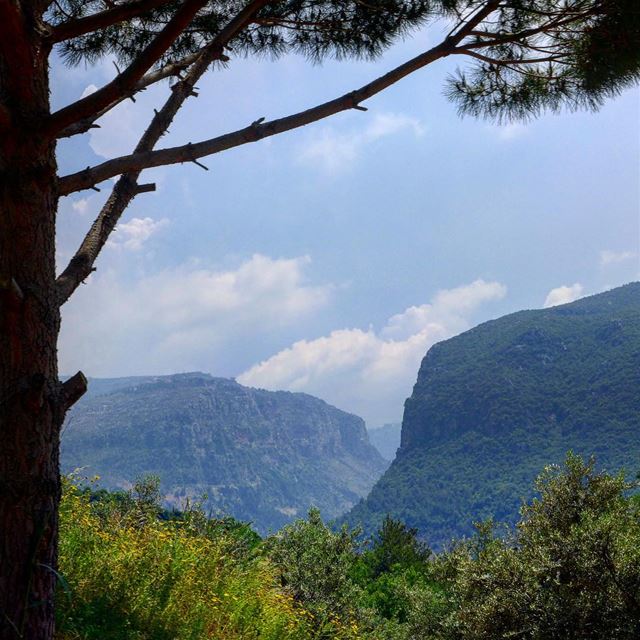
x=570 y=570
x=139 y=578
x=314 y=564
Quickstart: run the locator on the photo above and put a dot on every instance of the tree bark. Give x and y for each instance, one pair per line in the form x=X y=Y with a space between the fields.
x=31 y=398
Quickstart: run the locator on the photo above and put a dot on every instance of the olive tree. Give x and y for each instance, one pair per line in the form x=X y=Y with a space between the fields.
x=569 y=570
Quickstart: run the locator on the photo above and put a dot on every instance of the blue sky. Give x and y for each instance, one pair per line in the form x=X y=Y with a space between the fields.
x=330 y=258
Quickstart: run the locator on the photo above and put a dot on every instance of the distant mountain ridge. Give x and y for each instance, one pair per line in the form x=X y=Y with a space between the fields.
x=495 y=404
x=260 y=456
x=386 y=439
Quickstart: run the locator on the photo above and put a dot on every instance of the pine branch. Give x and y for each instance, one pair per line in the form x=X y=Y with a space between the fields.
x=91 y=176
x=256 y=131
x=169 y=70
x=73 y=389
x=498 y=62
x=521 y=36
x=124 y=83
x=129 y=167
x=81 y=26
x=127 y=188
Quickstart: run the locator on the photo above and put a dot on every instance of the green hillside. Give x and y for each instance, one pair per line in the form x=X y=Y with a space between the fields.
x=260 y=456
x=495 y=404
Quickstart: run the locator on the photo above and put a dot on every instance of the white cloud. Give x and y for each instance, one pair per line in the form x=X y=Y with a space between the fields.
x=121 y=127
x=182 y=318
x=563 y=295
x=449 y=306
x=386 y=124
x=133 y=234
x=118 y=133
x=614 y=257
x=511 y=131
x=88 y=90
x=80 y=206
x=369 y=372
x=335 y=151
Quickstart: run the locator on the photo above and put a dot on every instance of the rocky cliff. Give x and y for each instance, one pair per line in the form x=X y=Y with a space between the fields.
x=493 y=405
x=260 y=456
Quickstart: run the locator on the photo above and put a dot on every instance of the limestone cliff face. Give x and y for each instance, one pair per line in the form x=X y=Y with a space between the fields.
x=258 y=455
x=494 y=405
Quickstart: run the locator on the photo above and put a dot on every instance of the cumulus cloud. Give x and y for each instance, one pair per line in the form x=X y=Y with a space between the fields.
x=121 y=127
x=335 y=151
x=511 y=131
x=133 y=234
x=80 y=206
x=615 y=257
x=367 y=372
x=184 y=318
x=448 y=307
x=88 y=90
x=119 y=131
x=563 y=295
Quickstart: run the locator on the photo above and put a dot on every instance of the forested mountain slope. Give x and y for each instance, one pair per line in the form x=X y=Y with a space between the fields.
x=259 y=455
x=495 y=404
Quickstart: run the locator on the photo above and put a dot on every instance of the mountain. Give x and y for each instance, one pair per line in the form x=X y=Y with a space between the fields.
x=494 y=405
x=258 y=455
x=386 y=439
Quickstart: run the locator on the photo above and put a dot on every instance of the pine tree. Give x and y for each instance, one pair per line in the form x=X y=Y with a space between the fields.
x=524 y=56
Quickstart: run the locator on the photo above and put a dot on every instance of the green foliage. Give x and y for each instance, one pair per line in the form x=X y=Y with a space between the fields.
x=315 y=564
x=143 y=504
x=581 y=66
x=395 y=562
x=520 y=70
x=571 y=568
x=132 y=578
x=608 y=55
x=395 y=545
x=315 y=29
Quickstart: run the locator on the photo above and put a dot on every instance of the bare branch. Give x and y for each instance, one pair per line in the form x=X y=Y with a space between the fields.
x=146 y=188
x=521 y=36
x=126 y=81
x=119 y=13
x=143 y=157
x=169 y=70
x=252 y=133
x=190 y=152
x=507 y=62
x=127 y=188
x=73 y=389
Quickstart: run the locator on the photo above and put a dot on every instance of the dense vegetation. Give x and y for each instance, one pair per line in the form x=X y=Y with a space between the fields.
x=495 y=404
x=570 y=569
x=258 y=455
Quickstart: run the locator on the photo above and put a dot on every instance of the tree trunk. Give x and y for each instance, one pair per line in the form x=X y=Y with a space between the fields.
x=31 y=397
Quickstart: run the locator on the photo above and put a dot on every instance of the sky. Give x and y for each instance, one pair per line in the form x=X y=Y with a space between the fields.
x=329 y=259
